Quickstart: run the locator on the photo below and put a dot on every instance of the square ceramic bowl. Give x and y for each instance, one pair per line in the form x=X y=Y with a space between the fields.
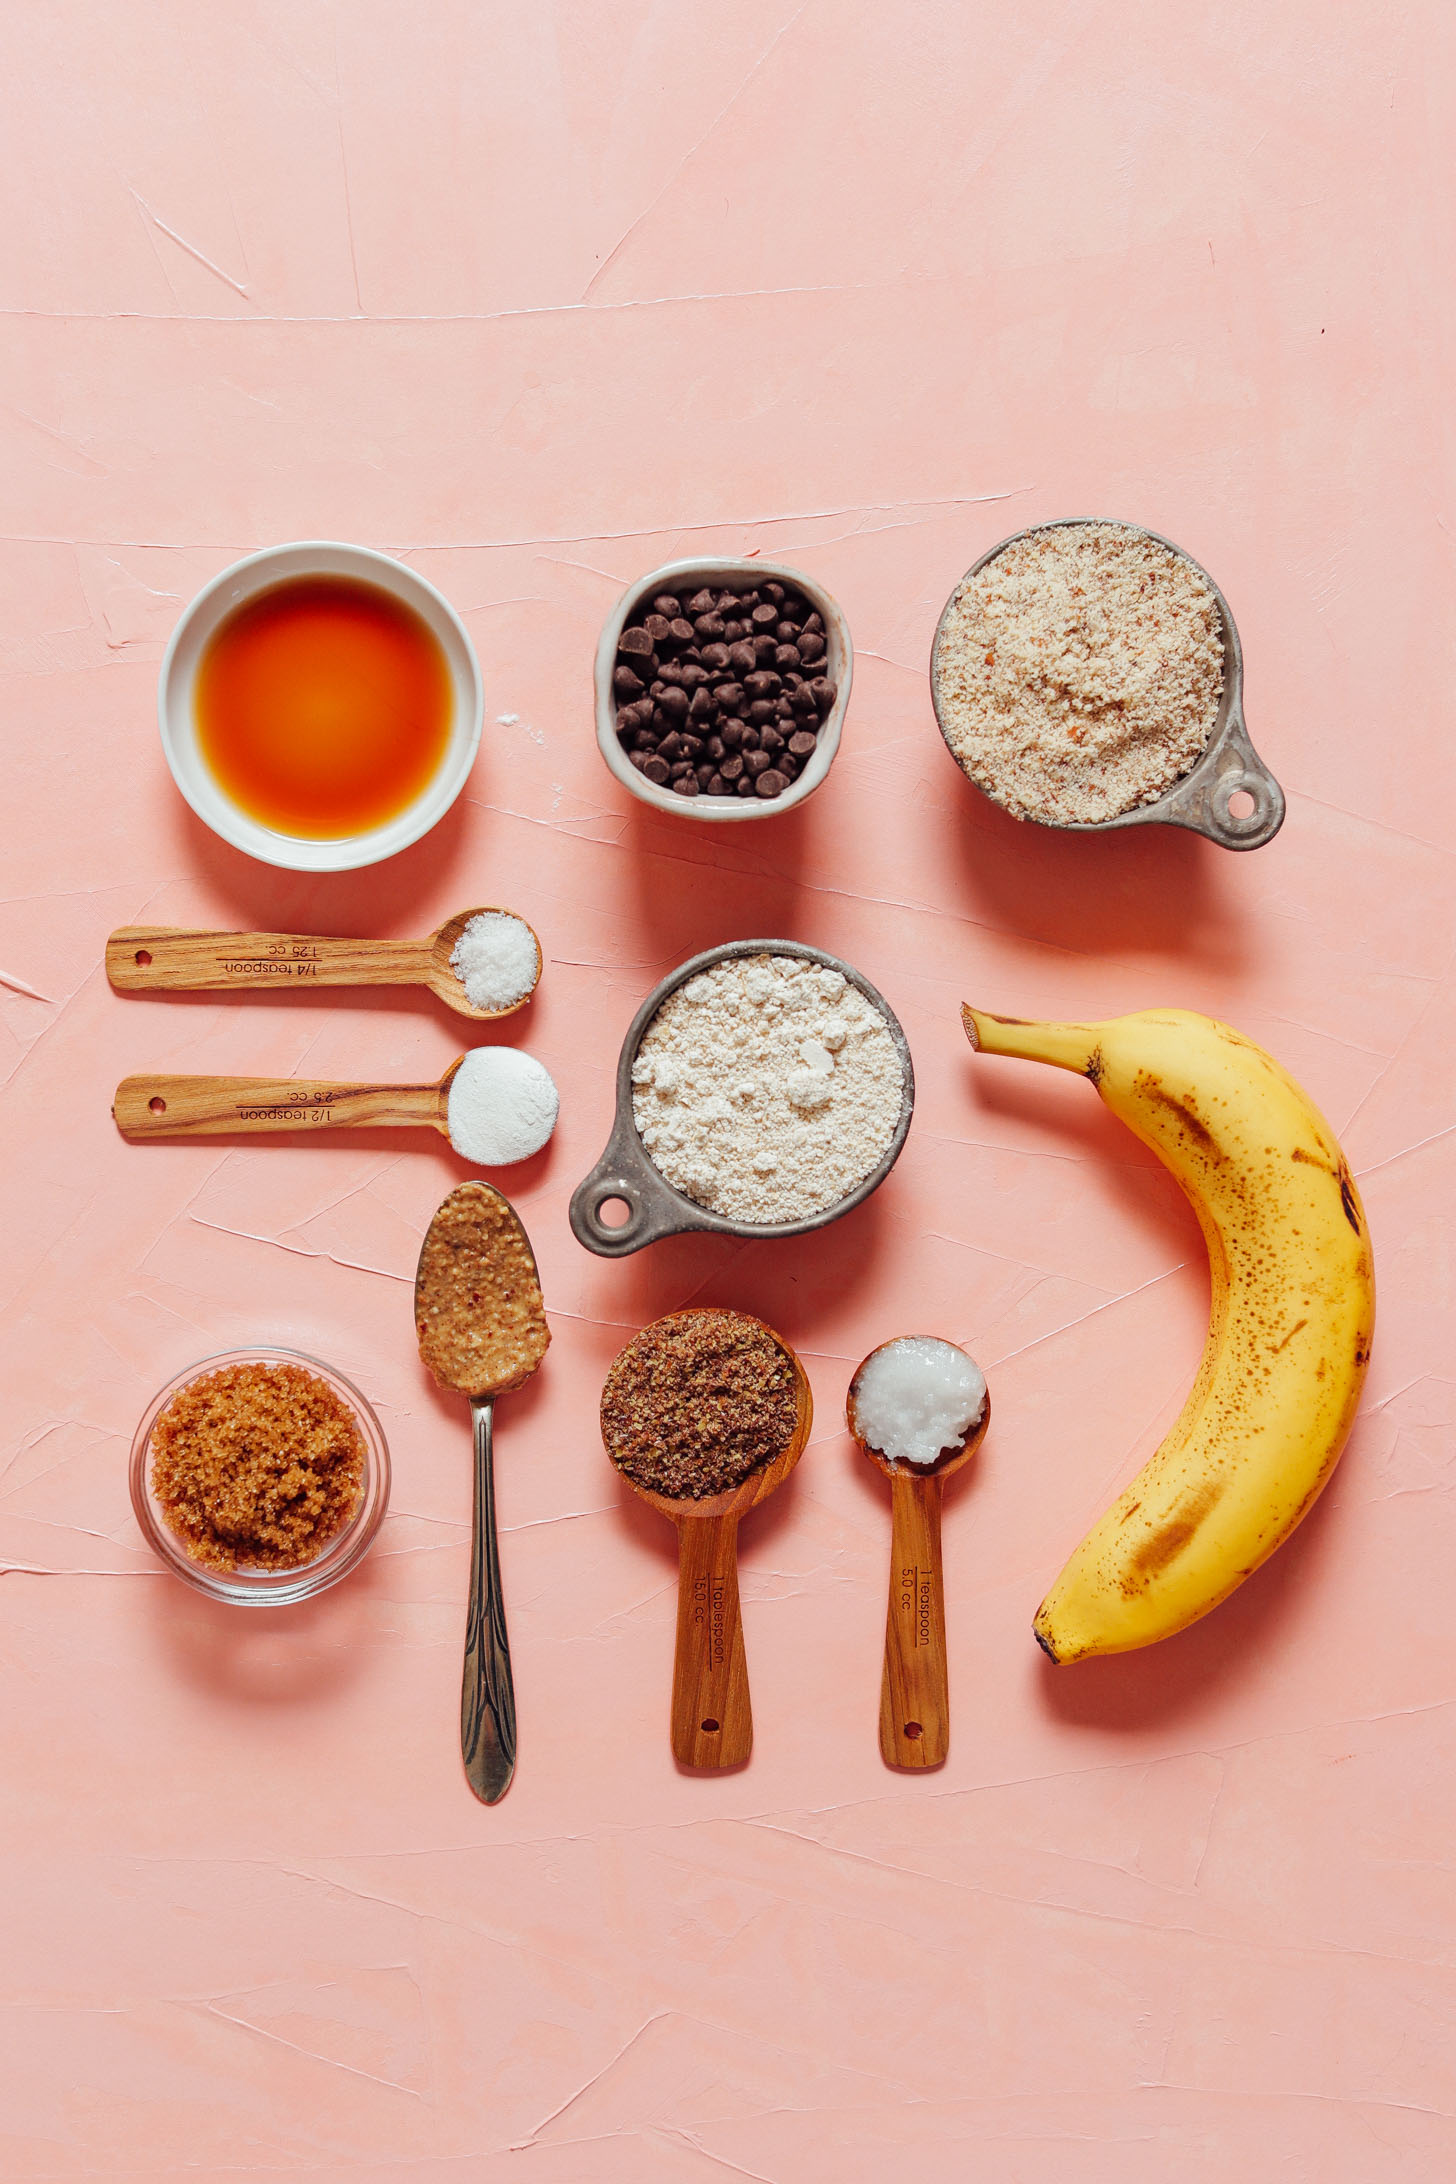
x=175 y=706
x=253 y=1587
x=738 y=576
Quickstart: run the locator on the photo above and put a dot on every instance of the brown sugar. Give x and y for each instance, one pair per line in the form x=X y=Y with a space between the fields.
x=697 y=1402
x=257 y=1466
x=478 y=1311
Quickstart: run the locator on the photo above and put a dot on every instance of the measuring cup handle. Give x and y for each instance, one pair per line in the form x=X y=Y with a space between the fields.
x=622 y=1172
x=712 y=1720
x=1204 y=802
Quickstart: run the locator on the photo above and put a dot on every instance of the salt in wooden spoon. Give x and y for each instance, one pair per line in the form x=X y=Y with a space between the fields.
x=174 y=959
x=712 y=1718
x=482 y=1333
x=914 y=1689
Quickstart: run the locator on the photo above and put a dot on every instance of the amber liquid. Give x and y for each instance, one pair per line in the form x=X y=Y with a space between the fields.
x=323 y=707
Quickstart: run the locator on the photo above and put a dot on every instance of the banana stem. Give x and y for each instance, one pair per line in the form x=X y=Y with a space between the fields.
x=1065 y=1046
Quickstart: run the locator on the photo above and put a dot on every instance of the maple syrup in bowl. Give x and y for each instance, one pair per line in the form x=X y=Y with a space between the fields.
x=320 y=706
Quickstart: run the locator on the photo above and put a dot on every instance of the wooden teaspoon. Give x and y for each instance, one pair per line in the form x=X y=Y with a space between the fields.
x=167 y=1107
x=712 y=1718
x=174 y=959
x=914 y=1688
x=482 y=1333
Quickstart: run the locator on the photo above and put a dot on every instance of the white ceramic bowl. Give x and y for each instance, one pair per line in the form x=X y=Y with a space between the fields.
x=683 y=576
x=274 y=565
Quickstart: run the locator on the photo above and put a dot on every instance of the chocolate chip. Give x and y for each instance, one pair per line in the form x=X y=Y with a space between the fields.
x=733 y=631
x=668 y=605
x=788 y=765
x=675 y=702
x=742 y=658
x=731 y=734
x=745 y=785
x=680 y=632
x=787 y=632
x=775 y=592
x=764 y=646
x=811 y=647
x=765 y=617
x=692 y=748
x=770 y=740
x=729 y=695
x=802 y=742
x=715 y=658
x=634 y=641
x=727 y=602
x=749 y=740
x=731 y=769
x=706 y=772
x=655 y=770
x=762 y=684
x=756 y=763
x=717 y=786
x=814 y=623
x=637 y=759
x=658 y=628
x=709 y=626
x=803 y=700
x=772 y=783
x=626 y=684
x=705 y=706
x=692 y=676
x=823 y=690
x=784 y=706
x=702 y=602
x=715 y=747
x=687 y=785
x=786 y=657
x=762 y=709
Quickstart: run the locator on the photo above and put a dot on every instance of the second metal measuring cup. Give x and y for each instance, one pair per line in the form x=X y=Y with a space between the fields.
x=655 y=1208
x=1229 y=768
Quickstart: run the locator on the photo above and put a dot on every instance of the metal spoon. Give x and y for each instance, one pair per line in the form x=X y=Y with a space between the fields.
x=482 y=1333
x=914 y=1689
x=175 y=959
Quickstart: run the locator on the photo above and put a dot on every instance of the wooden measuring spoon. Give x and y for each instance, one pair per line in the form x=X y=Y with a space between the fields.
x=174 y=959
x=914 y=1689
x=482 y=1333
x=712 y=1718
x=166 y=1107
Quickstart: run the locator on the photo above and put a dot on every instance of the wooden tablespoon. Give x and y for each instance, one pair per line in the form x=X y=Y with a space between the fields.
x=174 y=959
x=914 y=1689
x=712 y=1718
x=166 y=1107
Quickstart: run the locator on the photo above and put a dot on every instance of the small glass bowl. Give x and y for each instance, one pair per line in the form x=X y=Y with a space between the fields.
x=266 y=1588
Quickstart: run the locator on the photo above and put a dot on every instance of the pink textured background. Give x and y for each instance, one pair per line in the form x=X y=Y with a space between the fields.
x=537 y=297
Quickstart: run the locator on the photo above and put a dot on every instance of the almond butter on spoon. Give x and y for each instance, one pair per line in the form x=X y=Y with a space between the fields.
x=482 y=1332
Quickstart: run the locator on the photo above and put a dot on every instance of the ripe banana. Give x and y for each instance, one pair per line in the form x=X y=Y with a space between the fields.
x=1293 y=1311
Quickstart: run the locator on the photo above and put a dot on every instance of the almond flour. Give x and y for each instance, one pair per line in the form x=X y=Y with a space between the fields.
x=1078 y=673
x=767 y=1087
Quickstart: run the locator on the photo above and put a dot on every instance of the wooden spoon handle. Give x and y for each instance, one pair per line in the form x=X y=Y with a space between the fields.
x=164 y=1107
x=170 y=958
x=914 y=1695
x=712 y=1721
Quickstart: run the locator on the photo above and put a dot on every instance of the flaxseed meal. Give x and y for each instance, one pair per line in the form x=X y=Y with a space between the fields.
x=1078 y=673
x=256 y=1466
x=697 y=1402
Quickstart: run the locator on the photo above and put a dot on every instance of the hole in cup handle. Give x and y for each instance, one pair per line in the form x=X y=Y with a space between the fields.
x=612 y=1239
x=1238 y=804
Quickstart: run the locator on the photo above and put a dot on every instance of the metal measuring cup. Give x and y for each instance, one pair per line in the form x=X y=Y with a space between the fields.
x=655 y=1207
x=1200 y=799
